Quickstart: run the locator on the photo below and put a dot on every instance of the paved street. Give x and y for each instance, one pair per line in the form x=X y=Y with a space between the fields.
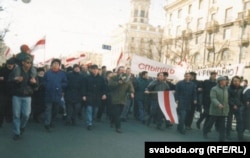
x=102 y=141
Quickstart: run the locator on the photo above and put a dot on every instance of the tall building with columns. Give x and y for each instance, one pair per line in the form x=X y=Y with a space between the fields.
x=207 y=33
x=138 y=36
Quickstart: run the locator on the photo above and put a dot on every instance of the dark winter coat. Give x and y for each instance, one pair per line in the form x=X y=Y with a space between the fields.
x=185 y=94
x=246 y=98
x=73 y=92
x=94 y=88
x=235 y=96
x=55 y=84
x=155 y=86
x=4 y=85
x=139 y=85
x=23 y=88
x=207 y=86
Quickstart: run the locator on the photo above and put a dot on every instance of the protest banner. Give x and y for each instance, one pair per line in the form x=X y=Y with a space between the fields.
x=140 y=64
x=230 y=71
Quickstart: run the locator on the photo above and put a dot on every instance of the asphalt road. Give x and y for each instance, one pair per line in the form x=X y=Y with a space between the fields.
x=102 y=141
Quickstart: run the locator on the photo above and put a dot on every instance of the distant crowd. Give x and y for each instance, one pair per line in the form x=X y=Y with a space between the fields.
x=87 y=92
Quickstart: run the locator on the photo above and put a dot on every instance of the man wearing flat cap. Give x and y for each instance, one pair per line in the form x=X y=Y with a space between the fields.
x=219 y=108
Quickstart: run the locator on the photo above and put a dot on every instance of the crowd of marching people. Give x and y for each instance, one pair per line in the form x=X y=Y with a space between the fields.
x=87 y=93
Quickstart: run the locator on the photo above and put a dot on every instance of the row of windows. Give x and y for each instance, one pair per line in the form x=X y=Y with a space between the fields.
x=200 y=26
x=142 y=13
x=228 y=13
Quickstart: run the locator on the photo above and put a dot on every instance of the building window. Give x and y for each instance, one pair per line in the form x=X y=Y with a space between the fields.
x=190 y=9
x=142 y=20
x=188 y=25
x=142 y=13
x=199 y=23
x=210 y=56
x=179 y=13
x=169 y=32
x=201 y=4
x=225 y=55
x=214 y=1
x=135 y=19
x=227 y=34
x=178 y=30
x=136 y=13
x=247 y=6
x=170 y=17
x=244 y=53
x=198 y=39
x=212 y=16
x=197 y=58
x=228 y=15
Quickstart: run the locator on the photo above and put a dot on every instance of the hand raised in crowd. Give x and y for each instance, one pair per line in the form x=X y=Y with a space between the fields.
x=132 y=95
x=19 y=79
x=33 y=80
x=195 y=101
x=221 y=106
x=1 y=78
x=120 y=81
x=235 y=107
x=84 y=98
x=104 y=97
x=146 y=92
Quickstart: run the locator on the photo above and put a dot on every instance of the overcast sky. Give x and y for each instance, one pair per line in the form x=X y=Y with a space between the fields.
x=69 y=25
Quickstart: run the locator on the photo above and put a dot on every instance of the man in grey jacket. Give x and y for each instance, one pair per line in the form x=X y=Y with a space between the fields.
x=219 y=108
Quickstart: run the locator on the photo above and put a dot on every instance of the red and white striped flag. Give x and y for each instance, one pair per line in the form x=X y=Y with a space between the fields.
x=40 y=44
x=168 y=106
x=7 y=53
x=119 y=59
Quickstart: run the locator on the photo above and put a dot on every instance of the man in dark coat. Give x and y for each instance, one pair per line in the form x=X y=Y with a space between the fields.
x=237 y=107
x=186 y=96
x=38 y=105
x=94 y=90
x=73 y=95
x=154 y=86
x=55 y=82
x=246 y=101
x=23 y=86
x=5 y=96
x=140 y=85
x=207 y=86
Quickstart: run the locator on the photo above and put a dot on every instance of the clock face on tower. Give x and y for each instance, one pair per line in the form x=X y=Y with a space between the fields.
x=26 y=1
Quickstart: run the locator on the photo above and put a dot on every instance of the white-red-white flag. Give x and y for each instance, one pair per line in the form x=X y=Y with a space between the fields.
x=168 y=106
x=40 y=44
x=119 y=59
x=7 y=53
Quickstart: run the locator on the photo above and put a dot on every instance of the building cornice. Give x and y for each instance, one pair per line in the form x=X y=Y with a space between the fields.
x=174 y=4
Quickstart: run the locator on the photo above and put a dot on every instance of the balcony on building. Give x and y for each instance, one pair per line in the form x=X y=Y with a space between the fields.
x=187 y=34
x=168 y=40
x=244 y=41
x=212 y=26
x=244 y=18
x=210 y=47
